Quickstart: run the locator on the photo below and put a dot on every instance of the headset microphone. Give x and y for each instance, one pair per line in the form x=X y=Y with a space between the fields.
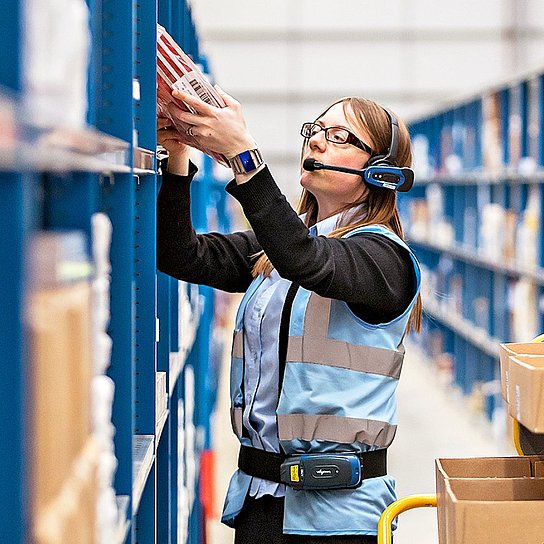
x=386 y=177
x=311 y=165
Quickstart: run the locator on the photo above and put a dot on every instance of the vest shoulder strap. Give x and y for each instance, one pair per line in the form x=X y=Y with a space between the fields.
x=284 y=332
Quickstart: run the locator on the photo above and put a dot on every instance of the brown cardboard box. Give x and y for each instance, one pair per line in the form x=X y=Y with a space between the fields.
x=479 y=468
x=526 y=391
x=60 y=371
x=515 y=350
x=71 y=516
x=494 y=511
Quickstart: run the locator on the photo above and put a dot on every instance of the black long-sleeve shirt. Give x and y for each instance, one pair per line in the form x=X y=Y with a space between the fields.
x=369 y=271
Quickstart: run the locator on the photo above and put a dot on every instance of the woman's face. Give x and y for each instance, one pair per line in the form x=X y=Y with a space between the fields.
x=335 y=190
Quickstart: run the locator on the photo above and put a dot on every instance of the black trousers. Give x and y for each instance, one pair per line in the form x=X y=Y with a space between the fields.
x=261 y=522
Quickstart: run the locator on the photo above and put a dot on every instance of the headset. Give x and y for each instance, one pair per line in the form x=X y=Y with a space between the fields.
x=380 y=170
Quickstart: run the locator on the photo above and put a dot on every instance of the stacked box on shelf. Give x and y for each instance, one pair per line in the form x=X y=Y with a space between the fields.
x=61 y=367
x=474 y=219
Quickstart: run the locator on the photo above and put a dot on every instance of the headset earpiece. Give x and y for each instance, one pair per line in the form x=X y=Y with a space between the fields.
x=377 y=160
x=383 y=170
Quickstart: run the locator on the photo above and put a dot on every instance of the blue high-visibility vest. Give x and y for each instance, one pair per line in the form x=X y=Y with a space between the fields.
x=338 y=394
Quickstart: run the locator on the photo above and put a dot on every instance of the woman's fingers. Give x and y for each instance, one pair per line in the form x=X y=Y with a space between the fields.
x=163 y=122
x=199 y=106
x=185 y=116
x=171 y=138
x=229 y=100
x=209 y=125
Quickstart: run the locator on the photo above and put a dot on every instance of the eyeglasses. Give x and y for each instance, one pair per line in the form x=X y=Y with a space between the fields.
x=336 y=135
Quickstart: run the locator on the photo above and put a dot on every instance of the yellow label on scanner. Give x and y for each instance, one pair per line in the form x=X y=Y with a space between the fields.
x=294 y=473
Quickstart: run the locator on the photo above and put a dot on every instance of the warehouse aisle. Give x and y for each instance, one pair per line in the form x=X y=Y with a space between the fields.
x=434 y=421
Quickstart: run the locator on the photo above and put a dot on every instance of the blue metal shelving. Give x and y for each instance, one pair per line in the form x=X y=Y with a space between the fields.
x=59 y=187
x=486 y=150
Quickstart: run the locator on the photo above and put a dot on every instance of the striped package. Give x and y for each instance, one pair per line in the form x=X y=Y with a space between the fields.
x=176 y=70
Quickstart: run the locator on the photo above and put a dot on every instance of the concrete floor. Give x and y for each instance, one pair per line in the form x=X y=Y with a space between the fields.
x=434 y=421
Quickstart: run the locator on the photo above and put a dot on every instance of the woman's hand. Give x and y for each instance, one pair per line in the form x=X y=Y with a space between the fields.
x=178 y=151
x=223 y=130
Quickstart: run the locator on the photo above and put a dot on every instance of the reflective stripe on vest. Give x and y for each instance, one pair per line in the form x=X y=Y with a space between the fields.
x=341 y=374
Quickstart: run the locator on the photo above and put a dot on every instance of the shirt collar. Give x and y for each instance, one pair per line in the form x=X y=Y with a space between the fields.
x=327 y=225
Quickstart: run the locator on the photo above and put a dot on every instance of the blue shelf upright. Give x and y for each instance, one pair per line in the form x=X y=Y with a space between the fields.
x=14 y=226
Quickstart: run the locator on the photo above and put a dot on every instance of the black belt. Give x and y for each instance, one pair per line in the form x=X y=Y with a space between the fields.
x=266 y=464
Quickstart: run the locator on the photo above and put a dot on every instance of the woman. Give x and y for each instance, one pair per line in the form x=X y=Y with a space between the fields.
x=329 y=296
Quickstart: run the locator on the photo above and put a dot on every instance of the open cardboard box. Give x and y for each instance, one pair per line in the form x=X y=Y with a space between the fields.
x=525 y=350
x=485 y=469
x=494 y=511
x=526 y=391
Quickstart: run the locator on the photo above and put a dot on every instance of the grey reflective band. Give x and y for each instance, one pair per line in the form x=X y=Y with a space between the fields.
x=236 y=421
x=246 y=162
x=238 y=345
x=340 y=429
x=317 y=347
x=328 y=352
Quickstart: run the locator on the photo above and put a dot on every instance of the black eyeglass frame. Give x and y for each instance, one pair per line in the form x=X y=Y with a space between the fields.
x=351 y=139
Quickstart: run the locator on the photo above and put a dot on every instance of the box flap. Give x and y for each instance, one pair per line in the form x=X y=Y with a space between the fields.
x=484 y=467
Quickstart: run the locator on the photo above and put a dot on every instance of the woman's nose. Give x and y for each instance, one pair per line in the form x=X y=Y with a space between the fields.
x=318 y=141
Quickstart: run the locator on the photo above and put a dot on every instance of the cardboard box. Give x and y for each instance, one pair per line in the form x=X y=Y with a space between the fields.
x=515 y=350
x=526 y=391
x=494 y=511
x=479 y=468
x=60 y=372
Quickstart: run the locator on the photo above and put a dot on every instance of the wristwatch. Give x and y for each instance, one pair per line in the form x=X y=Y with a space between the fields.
x=246 y=162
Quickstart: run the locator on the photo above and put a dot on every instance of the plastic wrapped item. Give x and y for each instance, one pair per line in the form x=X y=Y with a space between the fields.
x=439 y=225
x=492 y=231
x=492 y=150
x=57 y=258
x=528 y=230
x=421 y=155
x=523 y=303
x=419 y=219
x=56 y=56
x=103 y=388
x=175 y=70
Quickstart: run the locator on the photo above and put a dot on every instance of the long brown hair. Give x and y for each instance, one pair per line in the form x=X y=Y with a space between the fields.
x=375 y=207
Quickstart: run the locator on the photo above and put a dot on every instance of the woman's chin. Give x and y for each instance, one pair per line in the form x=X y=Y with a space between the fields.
x=306 y=180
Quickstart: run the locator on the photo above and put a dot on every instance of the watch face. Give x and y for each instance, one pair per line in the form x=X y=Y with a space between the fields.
x=248 y=163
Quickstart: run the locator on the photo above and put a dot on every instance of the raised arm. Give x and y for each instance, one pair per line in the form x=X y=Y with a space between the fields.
x=218 y=260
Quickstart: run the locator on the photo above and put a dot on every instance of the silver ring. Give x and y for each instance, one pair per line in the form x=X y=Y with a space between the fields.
x=189 y=131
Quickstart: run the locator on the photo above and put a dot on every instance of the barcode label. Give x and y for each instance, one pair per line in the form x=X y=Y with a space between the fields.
x=192 y=85
x=200 y=91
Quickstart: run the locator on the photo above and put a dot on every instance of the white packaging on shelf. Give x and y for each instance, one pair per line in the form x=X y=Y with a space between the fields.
x=102 y=232
x=420 y=153
x=524 y=307
x=55 y=62
x=527 y=235
x=57 y=258
x=103 y=389
x=492 y=231
x=491 y=134
x=183 y=488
